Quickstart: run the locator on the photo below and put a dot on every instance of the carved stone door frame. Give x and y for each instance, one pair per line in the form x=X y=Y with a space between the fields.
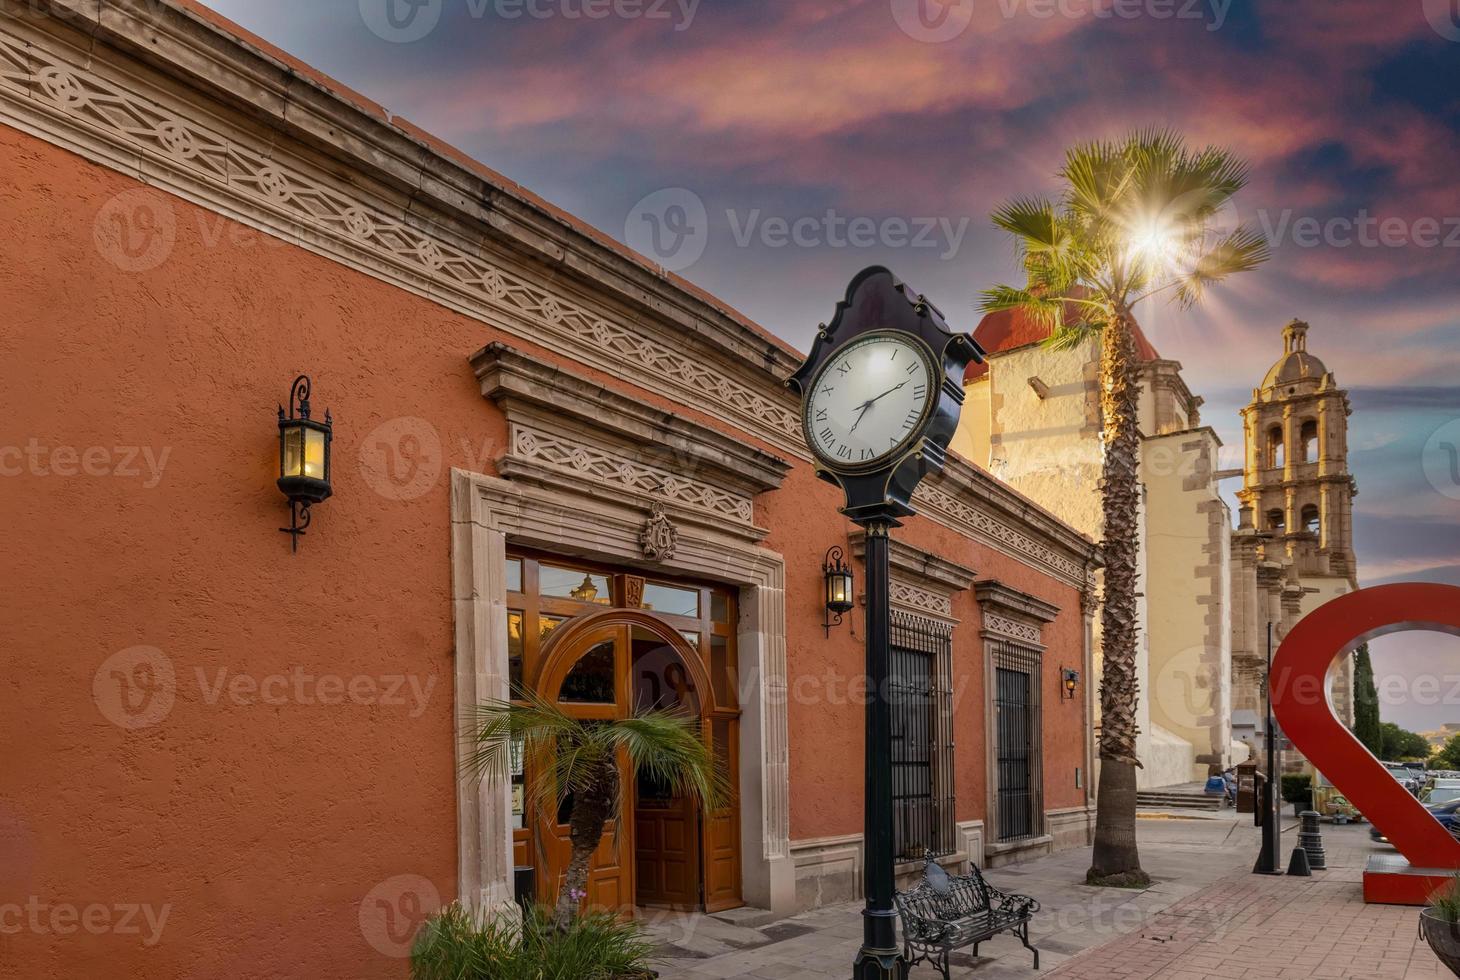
x=487 y=513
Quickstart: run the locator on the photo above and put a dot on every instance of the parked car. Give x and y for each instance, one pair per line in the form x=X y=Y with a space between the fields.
x=1447 y=813
x=1441 y=789
x=1406 y=776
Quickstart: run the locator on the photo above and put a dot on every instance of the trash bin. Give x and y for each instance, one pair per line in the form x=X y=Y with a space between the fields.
x=1247 y=776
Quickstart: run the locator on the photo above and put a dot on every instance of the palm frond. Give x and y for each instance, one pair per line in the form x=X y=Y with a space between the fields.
x=1241 y=251
x=1033 y=222
x=498 y=729
x=669 y=748
x=1046 y=310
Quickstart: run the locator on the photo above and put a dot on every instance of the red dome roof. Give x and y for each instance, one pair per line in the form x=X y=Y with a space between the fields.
x=1007 y=330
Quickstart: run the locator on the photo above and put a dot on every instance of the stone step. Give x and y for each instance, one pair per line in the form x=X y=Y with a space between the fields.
x=1184 y=801
x=746 y=917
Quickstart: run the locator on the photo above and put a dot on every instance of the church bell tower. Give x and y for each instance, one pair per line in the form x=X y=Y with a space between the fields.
x=1296 y=485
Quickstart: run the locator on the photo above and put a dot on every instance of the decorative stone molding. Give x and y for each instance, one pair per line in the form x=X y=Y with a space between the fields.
x=1013 y=629
x=658 y=537
x=571 y=433
x=922 y=582
x=487 y=514
x=914 y=599
x=1013 y=615
x=225 y=125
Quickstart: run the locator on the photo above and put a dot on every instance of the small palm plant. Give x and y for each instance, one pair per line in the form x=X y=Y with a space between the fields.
x=576 y=761
x=1135 y=219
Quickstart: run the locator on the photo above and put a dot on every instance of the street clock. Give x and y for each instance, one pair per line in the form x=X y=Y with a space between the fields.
x=881 y=393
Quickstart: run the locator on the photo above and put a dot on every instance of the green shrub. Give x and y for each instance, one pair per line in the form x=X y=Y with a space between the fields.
x=456 y=944
x=1297 y=788
x=1445 y=900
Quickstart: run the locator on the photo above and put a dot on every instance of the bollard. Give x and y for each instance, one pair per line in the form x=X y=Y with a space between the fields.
x=1310 y=839
x=524 y=887
x=1298 y=864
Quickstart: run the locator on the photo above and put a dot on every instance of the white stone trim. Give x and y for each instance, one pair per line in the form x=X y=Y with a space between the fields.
x=487 y=513
x=971 y=833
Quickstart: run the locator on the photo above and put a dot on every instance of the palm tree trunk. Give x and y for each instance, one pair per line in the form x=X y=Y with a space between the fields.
x=589 y=817
x=1116 y=860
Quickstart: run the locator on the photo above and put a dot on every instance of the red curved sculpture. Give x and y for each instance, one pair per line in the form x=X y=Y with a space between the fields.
x=1300 y=701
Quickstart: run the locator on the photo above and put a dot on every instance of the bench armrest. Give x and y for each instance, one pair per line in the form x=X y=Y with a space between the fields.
x=1018 y=906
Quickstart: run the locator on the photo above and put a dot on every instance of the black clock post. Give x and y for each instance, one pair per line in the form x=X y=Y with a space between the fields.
x=878 y=493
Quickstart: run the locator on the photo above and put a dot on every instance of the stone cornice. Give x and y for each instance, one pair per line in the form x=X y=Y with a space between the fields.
x=997 y=597
x=528 y=388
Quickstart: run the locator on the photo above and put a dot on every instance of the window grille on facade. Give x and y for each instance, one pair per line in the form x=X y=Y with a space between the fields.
x=921 y=695
x=1017 y=741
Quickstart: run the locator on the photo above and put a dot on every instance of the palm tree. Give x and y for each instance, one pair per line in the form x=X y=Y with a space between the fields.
x=576 y=761
x=1135 y=219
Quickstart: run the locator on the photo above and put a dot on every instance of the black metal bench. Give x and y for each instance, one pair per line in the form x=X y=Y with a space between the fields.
x=947 y=912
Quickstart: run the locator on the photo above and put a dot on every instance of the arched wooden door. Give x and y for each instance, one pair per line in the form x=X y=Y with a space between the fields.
x=605 y=666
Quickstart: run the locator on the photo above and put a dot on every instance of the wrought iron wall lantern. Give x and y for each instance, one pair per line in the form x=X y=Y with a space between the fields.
x=304 y=458
x=1069 y=681
x=839 y=587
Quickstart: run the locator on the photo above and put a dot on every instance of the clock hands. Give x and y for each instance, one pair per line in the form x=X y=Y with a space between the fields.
x=867 y=405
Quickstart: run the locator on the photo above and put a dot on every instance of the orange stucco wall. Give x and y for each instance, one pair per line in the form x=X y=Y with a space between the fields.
x=257 y=820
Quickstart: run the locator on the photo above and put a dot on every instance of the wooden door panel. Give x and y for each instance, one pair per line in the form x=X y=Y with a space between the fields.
x=667 y=855
x=721 y=829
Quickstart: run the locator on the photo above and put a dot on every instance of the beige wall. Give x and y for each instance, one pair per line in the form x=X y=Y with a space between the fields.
x=1189 y=585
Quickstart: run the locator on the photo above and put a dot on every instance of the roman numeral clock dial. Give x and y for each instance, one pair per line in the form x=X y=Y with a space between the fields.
x=871 y=401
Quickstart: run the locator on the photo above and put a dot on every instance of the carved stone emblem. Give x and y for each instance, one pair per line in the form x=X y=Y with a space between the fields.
x=658 y=537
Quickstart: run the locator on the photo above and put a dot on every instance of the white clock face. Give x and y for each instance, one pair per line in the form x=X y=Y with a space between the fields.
x=869 y=401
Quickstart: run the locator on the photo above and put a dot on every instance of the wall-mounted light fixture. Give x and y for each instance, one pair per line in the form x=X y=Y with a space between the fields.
x=304 y=458
x=838 y=588
x=1069 y=681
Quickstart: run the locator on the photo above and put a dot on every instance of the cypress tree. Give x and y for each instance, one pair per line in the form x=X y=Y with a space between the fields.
x=1366 y=703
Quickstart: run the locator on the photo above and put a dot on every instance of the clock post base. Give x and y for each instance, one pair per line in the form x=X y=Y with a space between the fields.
x=879 y=964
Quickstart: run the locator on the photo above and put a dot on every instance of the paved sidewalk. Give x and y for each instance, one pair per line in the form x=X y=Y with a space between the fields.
x=1251 y=926
x=1205 y=917
x=1199 y=863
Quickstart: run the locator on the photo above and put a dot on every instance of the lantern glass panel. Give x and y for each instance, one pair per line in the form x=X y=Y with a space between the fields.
x=291 y=462
x=314 y=460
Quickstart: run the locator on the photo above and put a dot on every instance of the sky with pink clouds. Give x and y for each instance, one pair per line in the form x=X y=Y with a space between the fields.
x=768 y=149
